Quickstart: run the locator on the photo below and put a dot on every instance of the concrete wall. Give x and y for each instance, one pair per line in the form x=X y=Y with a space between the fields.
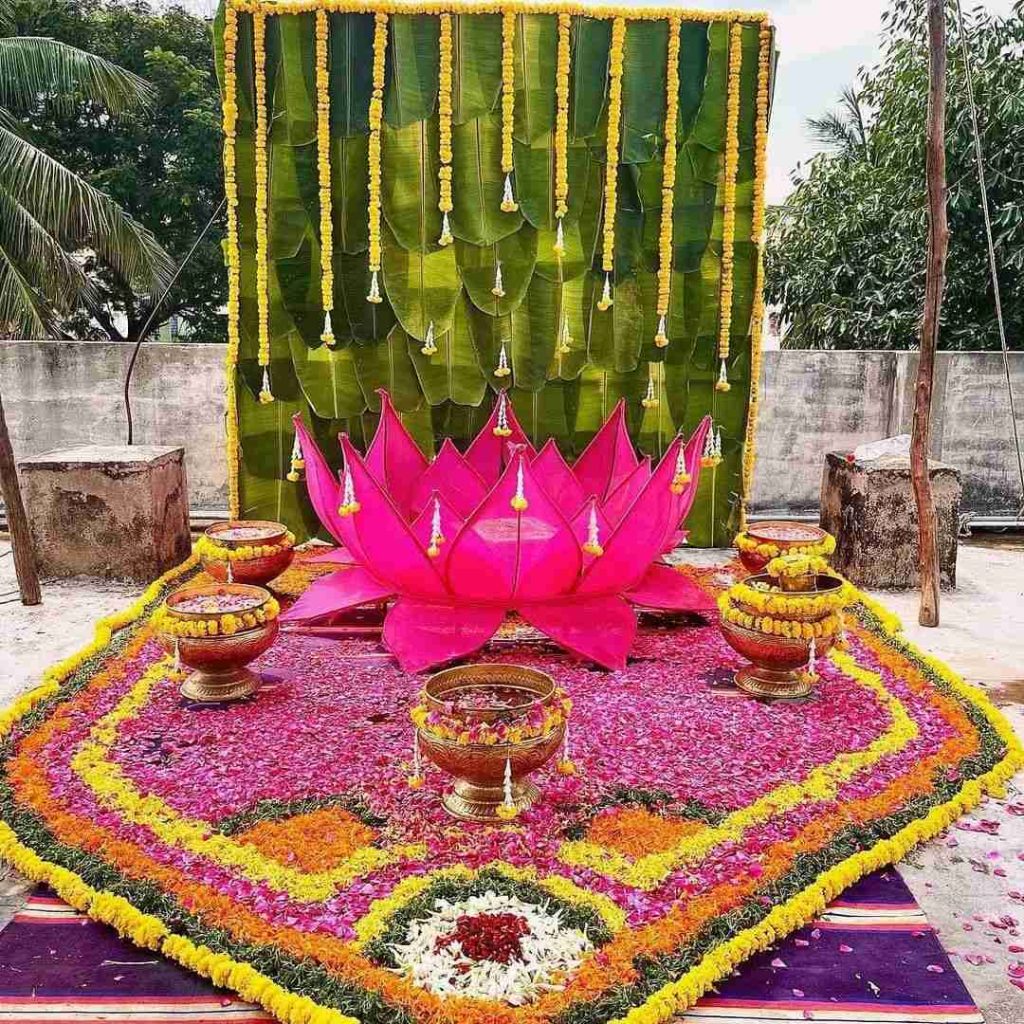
x=61 y=393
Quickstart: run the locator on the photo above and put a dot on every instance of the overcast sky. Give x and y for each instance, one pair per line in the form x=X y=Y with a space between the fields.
x=822 y=43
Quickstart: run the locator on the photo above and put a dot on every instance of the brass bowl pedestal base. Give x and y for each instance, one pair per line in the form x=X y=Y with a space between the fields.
x=220 y=687
x=480 y=803
x=773 y=685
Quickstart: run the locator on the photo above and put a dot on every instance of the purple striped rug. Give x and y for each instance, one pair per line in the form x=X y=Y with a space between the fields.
x=872 y=957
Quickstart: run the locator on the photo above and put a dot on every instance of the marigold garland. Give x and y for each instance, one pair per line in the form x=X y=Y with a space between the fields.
x=771 y=625
x=789 y=565
x=757 y=227
x=323 y=151
x=206 y=547
x=508 y=106
x=259 y=28
x=668 y=181
x=444 y=111
x=611 y=166
x=230 y=125
x=782 y=605
x=562 y=71
x=376 y=117
x=227 y=624
x=732 y=163
x=766 y=549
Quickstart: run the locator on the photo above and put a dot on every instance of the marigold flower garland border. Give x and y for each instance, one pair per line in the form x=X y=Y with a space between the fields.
x=150 y=932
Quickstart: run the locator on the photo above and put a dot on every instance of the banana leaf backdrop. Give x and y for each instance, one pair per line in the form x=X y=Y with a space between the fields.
x=451 y=393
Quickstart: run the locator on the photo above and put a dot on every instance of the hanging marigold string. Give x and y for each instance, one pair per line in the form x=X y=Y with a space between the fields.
x=562 y=128
x=230 y=124
x=323 y=136
x=732 y=162
x=376 y=116
x=259 y=30
x=668 y=181
x=757 y=237
x=508 y=105
x=611 y=166
x=444 y=111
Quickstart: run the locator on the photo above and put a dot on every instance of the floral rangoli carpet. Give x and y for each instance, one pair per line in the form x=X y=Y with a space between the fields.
x=275 y=847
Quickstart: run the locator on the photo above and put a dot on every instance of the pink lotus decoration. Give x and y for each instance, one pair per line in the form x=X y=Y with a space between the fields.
x=464 y=539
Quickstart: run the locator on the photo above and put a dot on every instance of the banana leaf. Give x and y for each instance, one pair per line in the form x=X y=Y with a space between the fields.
x=476 y=65
x=588 y=81
x=598 y=393
x=693 y=69
x=536 y=60
x=327 y=377
x=388 y=365
x=421 y=287
x=350 y=195
x=477 y=264
x=580 y=233
x=409 y=191
x=299 y=284
x=291 y=45
x=350 y=62
x=544 y=413
x=535 y=183
x=613 y=336
x=295 y=211
x=453 y=374
x=643 y=90
x=413 y=58
x=565 y=299
x=709 y=124
x=477 y=183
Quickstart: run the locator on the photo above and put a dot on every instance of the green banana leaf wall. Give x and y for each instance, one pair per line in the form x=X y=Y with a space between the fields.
x=451 y=393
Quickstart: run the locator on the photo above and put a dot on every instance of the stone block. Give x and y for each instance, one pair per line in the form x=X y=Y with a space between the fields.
x=869 y=508
x=113 y=512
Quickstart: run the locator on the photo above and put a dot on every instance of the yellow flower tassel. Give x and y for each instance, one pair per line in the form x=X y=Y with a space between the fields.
x=757 y=237
x=593 y=543
x=712 y=454
x=376 y=116
x=565 y=337
x=668 y=181
x=259 y=29
x=349 y=505
x=298 y=463
x=415 y=780
x=519 y=502
x=562 y=126
x=323 y=135
x=722 y=384
x=501 y=428
x=507 y=809
x=444 y=111
x=429 y=345
x=566 y=765
x=503 y=369
x=732 y=162
x=508 y=103
x=611 y=167
x=650 y=399
x=498 y=291
x=682 y=474
x=230 y=123
x=436 y=536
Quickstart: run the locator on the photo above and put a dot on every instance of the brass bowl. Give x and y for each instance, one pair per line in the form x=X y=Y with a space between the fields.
x=479 y=768
x=776 y=661
x=819 y=584
x=249 y=570
x=219 y=662
x=784 y=535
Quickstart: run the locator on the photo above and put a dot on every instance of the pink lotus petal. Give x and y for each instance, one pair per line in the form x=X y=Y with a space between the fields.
x=609 y=458
x=667 y=588
x=347 y=588
x=552 y=472
x=621 y=499
x=453 y=478
x=489 y=453
x=394 y=459
x=422 y=635
x=571 y=624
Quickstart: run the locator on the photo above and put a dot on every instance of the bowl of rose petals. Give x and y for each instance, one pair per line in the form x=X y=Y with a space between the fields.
x=490 y=726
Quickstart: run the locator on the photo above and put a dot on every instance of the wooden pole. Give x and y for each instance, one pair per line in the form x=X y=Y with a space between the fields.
x=935 y=280
x=17 y=521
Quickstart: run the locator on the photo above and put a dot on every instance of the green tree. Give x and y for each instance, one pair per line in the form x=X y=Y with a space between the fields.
x=50 y=217
x=845 y=256
x=162 y=163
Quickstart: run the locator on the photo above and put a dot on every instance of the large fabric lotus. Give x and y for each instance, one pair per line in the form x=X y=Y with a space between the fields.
x=465 y=538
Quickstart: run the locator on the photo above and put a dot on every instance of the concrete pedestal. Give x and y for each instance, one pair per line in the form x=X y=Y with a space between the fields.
x=869 y=508
x=113 y=512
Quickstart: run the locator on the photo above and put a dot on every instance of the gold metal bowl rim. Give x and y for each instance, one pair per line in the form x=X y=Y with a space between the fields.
x=432 y=739
x=762 y=532
x=212 y=590
x=481 y=673
x=831 y=585
x=773 y=638
x=212 y=531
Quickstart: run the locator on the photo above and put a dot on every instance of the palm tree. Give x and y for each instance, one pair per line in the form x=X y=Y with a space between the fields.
x=844 y=131
x=49 y=216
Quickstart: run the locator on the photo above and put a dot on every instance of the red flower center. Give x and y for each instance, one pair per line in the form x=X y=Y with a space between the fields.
x=496 y=937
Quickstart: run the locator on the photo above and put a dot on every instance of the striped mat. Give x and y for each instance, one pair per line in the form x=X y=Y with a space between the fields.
x=872 y=957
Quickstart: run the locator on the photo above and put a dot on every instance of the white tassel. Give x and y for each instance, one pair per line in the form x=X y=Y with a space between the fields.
x=606 y=300
x=266 y=395
x=503 y=369
x=349 y=504
x=650 y=400
x=508 y=199
x=436 y=537
x=559 y=246
x=230 y=573
x=812 y=662
x=722 y=384
x=429 y=345
x=499 y=285
x=565 y=339
x=327 y=336
x=519 y=502
x=177 y=654
x=501 y=428
x=446 y=231
x=374 y=295
x=507 y=810
x=593 y=544
x=661 y=336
